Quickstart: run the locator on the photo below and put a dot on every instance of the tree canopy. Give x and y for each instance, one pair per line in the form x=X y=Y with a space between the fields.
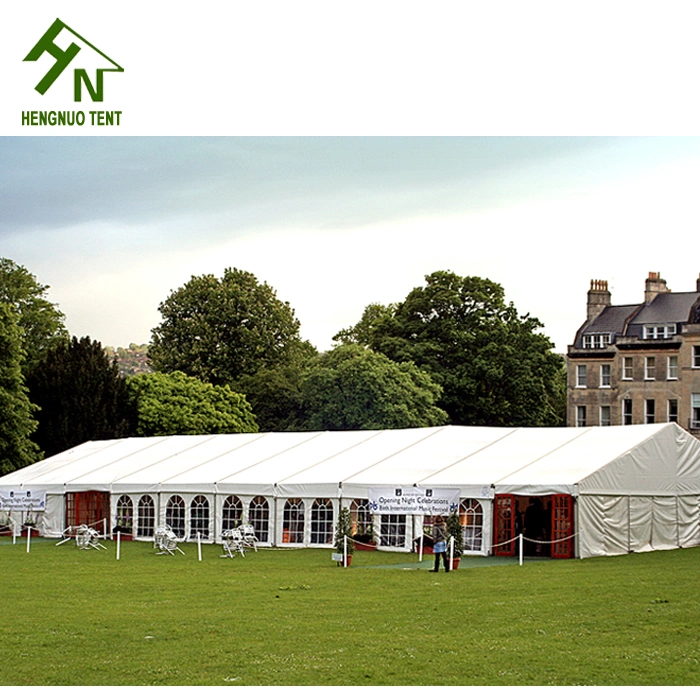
x=354 y=388
x=219 y=330
x=40 y=321
x=16 y=411
x=493 y=365
x=175 y=404
x=82 y=397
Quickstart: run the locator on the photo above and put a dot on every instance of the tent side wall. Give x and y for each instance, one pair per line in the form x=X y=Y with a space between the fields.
x=611 y=525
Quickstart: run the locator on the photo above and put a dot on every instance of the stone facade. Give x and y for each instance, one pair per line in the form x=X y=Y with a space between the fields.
x=638 y=363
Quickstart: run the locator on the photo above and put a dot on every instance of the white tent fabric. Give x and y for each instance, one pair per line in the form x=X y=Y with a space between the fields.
x=636 y=487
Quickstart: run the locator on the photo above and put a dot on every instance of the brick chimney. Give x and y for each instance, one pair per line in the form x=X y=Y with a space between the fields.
x=653 y=286
x=598 y=298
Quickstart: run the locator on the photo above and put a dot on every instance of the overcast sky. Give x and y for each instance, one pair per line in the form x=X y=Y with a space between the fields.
x=114 y=224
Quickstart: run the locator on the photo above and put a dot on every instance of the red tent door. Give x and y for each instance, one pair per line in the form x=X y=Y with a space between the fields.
x=87 y=508
x=504 y=526
x=562 y=526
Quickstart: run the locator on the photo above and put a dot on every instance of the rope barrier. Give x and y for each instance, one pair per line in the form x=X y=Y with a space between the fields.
x=529 y=539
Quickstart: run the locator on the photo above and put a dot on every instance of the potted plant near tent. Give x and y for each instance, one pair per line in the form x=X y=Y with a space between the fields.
x=344 y=544
x=454 y=530
x=364 y=537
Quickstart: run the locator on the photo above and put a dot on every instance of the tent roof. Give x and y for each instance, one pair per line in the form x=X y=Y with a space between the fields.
x=659 y=458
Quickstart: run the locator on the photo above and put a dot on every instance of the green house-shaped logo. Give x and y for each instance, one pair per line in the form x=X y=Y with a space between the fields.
x=64 y=57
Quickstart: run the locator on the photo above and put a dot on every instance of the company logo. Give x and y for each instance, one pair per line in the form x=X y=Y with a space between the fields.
x=80 y=54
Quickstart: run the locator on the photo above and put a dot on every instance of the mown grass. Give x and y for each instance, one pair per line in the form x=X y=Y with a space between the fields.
x=73 y=617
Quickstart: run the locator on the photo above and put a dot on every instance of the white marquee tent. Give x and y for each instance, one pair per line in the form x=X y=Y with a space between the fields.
x=606 y=490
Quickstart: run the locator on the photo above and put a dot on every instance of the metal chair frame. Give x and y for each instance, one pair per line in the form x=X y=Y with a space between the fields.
x=165 y=540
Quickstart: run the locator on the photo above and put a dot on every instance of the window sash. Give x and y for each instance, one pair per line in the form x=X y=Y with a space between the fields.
x=627 y=367
x=649 y=368
x=581 y=375
x=672 y=367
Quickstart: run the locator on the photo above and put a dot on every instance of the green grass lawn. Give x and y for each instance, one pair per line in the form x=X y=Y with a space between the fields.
x=74 y=617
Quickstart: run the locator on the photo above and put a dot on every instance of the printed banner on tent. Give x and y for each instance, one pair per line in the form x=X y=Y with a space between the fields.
x=22 y=500
x=413 y=501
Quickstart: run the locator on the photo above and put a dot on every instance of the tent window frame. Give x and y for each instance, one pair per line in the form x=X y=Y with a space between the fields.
x=293 y=521
x=322 y=521
x=199 y=517
x=471 y=515
x=175 y=515
x=231 y=513
x=146 y=517
x=392 y=530
x=259 y=517
x=124 y=521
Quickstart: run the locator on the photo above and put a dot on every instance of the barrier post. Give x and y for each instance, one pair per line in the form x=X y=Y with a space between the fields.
x=452 y=551
x=520 y=543
x=119 y=543
x=29 y=538
x=345 y=551
x=420 y=546
x=199 y=545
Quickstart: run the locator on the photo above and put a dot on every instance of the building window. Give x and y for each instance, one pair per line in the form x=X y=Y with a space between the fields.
x=322 y=521
x=605 y=375
x=580 y=375
x=627 y=411
x=145 y=525
x=259 y=517
x=175 y=515
x=293 y=521
x=361 y=519
x=649 y=411
x=672 y=372
x=596 y=340
x=659 y=332
x=199 y=517
x=232 y=513
x=125 y=515
x=580 y=416
x=392 y=531
x=471 y=515
x=695 y=411
x=673 y=410
x=696 y=356
x=649 y=368
x=627 y=366
x=605 y=415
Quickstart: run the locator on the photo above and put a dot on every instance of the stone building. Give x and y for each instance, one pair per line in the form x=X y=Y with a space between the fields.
x=637 y=363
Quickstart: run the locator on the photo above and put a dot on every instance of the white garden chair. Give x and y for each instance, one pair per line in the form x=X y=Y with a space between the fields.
x=165 y=541
x=232 y=541
x=249 y=538
x=87 y=537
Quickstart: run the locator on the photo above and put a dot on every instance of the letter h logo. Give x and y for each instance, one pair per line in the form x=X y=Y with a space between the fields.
x=63 y=58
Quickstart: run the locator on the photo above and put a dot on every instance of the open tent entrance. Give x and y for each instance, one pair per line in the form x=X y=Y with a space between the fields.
x=88 y=508
x=546 y=523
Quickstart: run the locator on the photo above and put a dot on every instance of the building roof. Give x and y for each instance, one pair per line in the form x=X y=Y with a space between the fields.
x=612 y=319
x=667 y=307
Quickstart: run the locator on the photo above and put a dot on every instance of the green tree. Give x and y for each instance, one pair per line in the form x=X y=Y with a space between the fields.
x=361 y=332
x=175 y=404
x=16 y=420
x=354 y=388
x=275 y=393
x=82 y=397
x=221 y=329
x=41 y=322
x=494 y=366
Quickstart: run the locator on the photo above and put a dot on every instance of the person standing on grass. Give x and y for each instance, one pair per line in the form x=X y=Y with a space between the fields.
x=440 y=543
